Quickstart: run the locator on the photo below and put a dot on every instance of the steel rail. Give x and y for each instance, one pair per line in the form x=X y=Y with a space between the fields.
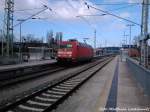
x=55 y=93
x=18 y=75
x=33 y=75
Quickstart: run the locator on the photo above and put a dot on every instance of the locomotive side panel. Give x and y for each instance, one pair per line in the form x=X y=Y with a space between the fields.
x=84 y=52
x=74 y=52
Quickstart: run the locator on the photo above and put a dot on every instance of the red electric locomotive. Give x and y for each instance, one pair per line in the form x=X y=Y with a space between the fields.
x=74 y=51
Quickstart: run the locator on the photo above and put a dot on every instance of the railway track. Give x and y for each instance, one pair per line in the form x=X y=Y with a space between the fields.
x=48 y=98
x=31 y=73
x=15 y=76
x=12 y=73
x=28 y=76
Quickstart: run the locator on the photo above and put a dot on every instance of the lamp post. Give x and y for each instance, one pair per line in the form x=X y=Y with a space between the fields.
x=42 y=51
x=20 y=41
x=82 y=17
x=125 y=37
x=23 y=20
x=2 y=48
x=130 y=26
x=95 y=38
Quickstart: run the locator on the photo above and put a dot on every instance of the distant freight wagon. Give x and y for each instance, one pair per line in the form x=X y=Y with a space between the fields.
x=133 y=52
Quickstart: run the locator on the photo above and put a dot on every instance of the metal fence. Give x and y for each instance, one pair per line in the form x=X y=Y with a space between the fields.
x=141 y=74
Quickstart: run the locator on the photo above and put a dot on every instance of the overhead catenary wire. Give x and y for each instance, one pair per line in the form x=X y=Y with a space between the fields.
x=20 y=10
x=52 y=11
x=45 y=8
x=26 y=13
x=57 y=14
x=84 y=19
x=114 y=15
x=45 y=4
x=125 y=3
x=123 y=7
x=79 y=16
x=116 y=9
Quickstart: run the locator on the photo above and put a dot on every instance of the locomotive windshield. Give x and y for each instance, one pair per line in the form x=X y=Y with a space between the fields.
x=66 y=46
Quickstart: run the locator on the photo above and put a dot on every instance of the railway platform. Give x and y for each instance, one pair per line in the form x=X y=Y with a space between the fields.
x=25 y=64
x=112 y=89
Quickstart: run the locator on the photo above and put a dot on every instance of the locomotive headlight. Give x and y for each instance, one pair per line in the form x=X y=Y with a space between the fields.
x=60 y=52
x=69 y=53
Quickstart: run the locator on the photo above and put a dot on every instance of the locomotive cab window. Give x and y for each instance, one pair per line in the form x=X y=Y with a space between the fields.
x=69 y=46
x=66 y=46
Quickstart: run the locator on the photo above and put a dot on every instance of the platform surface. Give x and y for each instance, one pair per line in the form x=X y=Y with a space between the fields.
x=113 y=89
x=26 y=64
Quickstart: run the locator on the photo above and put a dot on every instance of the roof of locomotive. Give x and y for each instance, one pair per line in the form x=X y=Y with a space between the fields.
x=77 y=43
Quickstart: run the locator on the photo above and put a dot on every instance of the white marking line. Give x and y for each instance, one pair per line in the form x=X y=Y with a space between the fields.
x=18 y=99
x=26 y=95
x=77 y=80
x=67 y=85
x=51 y=95
x=63 y=87
x=38 y=103
x=55 y=92
x=63 y=90
x=73 y=81
x=82 y=78
x=10 y=111
x=34 y=92
x=8 y=103
x=46 y=99
x=30 y=108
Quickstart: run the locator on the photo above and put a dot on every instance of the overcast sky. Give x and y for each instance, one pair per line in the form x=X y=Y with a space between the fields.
x=63 y=18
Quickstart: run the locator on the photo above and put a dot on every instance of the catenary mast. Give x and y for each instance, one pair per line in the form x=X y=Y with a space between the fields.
x=8 y=27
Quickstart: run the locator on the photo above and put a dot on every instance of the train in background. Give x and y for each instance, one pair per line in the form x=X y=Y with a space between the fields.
x=134 y=52
x=74 y=51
